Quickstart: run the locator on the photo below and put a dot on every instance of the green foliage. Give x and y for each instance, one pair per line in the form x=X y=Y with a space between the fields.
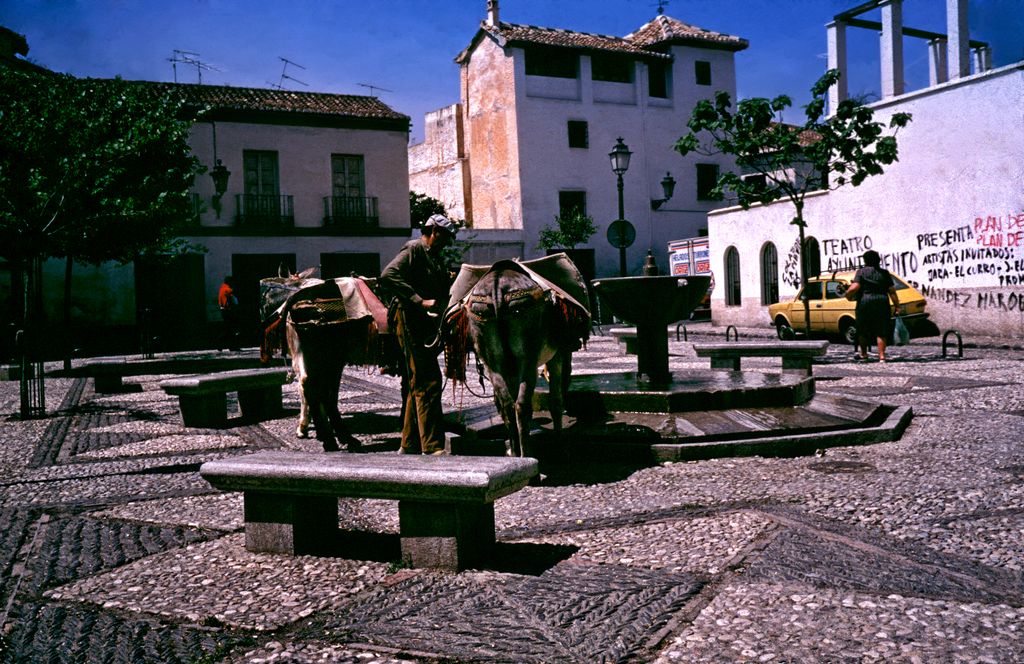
x=422 y=207
x=570 y=229
x=845 y=148
x=91 y=169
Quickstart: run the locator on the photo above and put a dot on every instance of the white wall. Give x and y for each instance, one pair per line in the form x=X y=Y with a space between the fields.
x=304 y=164
x=649 y=126
x=949 y=216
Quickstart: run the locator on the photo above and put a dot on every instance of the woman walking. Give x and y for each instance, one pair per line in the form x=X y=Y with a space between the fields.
x=873 y=288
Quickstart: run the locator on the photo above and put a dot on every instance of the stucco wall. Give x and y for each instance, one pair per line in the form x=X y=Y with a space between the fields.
x=435 y=165
x=649 y=126
x=519 y=158
x=492 y=141
x=949 y=216
x=304 y=165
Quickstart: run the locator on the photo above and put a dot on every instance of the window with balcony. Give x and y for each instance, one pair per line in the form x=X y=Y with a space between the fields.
x=262 y=207
x=549 y=61
x=579 y=136
x=348 y=209
x=611 y=67
x=702 y=72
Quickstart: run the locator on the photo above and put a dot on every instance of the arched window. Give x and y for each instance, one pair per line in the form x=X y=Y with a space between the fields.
x=732 y=277
x=769 y=274
x=813 y=253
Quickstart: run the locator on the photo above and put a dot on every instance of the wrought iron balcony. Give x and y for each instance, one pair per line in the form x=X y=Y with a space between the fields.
x=351 y=214
x=260 y=212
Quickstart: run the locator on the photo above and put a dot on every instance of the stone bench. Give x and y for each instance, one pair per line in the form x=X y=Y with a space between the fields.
x=108 y=373
x=796 y=355
x=445 y=503
x=203 y=398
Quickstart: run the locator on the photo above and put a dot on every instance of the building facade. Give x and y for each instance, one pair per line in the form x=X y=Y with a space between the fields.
x=307 y=180
x=539 y=112
x=948 y=216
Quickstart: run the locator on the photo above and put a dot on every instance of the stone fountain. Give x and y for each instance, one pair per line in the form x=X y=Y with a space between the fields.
x=652 y=303
x=653 y=414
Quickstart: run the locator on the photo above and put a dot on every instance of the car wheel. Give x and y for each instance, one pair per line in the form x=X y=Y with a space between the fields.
x=785 y=332
x=849 y=332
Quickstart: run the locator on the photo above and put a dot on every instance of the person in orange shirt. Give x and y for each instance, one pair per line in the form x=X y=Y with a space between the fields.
x=228 y=303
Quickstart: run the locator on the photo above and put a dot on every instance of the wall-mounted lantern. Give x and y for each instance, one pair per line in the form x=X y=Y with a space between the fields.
x=668 y=186
x=220 y=175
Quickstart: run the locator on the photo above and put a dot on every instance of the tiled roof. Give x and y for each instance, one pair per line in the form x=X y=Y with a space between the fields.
x=643 y=42
x=289 y=101
x=664 y=29
x=513 y=33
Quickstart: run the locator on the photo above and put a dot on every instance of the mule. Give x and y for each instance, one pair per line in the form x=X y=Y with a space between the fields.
x=518 y=323
x=327 y=324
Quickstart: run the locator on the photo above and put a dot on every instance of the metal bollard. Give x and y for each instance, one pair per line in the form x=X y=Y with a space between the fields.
x=959 y=343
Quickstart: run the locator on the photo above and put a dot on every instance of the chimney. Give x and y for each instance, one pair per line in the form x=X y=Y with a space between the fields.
x=492 y=13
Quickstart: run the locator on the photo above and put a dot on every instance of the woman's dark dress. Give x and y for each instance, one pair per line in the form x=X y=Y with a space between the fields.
x=873 y=305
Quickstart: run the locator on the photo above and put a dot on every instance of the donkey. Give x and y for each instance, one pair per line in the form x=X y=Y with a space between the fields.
x=518 y=322
x=327 y=324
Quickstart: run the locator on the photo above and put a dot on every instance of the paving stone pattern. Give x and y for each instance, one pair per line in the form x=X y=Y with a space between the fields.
x=113 y=549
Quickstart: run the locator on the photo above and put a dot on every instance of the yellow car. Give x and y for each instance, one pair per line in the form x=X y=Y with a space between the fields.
x=833 y=314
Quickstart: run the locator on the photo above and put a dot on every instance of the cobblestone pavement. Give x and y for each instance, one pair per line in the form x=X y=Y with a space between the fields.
x=113 y=549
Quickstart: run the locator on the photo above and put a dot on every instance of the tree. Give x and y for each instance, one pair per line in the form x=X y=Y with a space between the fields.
x=91 y=170
x=571 y=228
x=823 y=153
x=422 y=207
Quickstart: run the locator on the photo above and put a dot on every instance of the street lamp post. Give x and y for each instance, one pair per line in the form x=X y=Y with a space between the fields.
x=619 y=156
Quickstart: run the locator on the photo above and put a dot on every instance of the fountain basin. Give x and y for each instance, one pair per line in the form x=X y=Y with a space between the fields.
x=652 y=303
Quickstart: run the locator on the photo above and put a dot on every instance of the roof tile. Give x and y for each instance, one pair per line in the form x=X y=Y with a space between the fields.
x=512 y=33
x=263 y=99
x=664 y=29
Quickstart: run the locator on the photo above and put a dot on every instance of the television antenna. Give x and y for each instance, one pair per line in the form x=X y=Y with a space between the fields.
x=284 y=74
x=190 y=58
x=374 y=87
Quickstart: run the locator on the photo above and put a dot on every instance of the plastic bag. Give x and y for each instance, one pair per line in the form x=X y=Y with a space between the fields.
x=901 y=332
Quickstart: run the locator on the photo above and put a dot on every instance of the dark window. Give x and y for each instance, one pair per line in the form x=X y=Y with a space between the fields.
x=260 y=172
x=832 y=290
x=578 y=134
x=570 y=202
x=812 y=254
x=547 y=61
x=707 y=179
x=657 y=79
x=702 y=70
x=732 y=277
x=769 y=274
x=812 y=291
x=347 y=175
x=611 y=67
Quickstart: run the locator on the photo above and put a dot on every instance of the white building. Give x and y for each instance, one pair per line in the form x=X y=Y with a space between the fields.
x=314 y=180
x=540 y=110
x=949 y=216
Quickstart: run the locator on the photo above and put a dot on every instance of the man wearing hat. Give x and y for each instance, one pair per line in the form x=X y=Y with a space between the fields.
x=418 y=282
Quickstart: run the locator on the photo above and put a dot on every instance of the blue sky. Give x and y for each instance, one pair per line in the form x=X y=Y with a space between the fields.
x=407 y=47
